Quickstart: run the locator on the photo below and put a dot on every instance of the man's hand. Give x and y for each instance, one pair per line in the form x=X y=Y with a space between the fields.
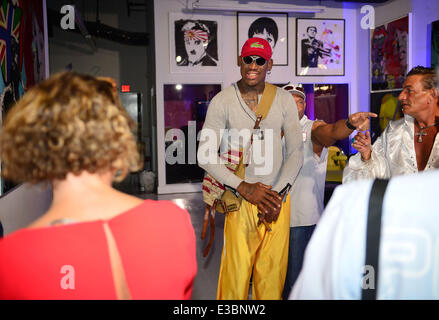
x=362 y=142
x=268 y=201
x=360 y=120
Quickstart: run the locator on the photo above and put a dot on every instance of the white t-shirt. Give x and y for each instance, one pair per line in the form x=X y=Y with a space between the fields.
x=307 y=193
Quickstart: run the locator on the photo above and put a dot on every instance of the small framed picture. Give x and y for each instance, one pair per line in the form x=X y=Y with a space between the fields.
x=320 y=47
x=273 y=27
x=194 y=43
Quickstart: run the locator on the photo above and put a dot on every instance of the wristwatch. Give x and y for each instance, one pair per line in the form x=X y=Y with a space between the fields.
x=349 y=125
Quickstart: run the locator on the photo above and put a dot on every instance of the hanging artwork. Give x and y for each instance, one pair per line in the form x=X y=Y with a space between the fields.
x=320 y=47
x=22 y=53
x=385 y=104
x=389 y=47
x=185 y=108
x=194 y=43
x=435 y=44
x=272 y=27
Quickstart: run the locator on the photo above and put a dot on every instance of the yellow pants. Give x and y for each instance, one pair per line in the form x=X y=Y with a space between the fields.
x=249 y=248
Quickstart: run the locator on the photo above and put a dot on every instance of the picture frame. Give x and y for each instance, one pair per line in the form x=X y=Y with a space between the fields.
x=434 y=56
x=273 y=27
x=195 y=43
x=25 y=59
x=185 y=109
x=389 y=54
x=320 y=52
x=386 y=105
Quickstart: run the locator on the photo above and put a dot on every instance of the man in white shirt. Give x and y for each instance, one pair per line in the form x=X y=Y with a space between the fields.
x=407 y=145
x=335 y=260
x=307 y=193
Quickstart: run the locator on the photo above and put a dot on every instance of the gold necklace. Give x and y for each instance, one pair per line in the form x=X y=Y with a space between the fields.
x=422 y=133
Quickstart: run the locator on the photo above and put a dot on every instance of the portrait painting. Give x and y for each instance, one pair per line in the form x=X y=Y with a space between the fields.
x=320 y=47
x=194 y=43
x=272 y=27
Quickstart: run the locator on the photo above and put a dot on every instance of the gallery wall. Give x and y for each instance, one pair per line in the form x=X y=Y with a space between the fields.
x=355 y=71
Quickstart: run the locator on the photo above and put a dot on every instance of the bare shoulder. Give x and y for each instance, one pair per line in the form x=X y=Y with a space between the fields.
x=102 y=206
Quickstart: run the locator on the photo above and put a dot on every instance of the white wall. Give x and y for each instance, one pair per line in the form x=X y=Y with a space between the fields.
x=424 y=13
x=23 y=205
x=354 y=40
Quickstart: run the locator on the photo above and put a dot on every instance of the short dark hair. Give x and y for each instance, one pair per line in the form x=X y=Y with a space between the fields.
x=429 y=79
x=262 y=23
x=314 y=27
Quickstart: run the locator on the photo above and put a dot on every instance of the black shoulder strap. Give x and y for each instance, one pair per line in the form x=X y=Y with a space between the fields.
x=373 y=234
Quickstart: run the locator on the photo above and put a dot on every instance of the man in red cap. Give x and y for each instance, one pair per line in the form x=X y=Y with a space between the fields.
x=251 y=247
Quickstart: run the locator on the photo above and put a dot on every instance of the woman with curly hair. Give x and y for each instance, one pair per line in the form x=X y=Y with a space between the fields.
x=94 y=242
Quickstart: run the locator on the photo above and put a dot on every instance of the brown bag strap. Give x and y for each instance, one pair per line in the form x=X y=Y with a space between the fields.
x=261 y=113
x=266 y=101
x=209 y=215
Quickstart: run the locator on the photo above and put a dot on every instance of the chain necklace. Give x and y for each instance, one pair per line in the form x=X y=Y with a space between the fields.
x=422 y=133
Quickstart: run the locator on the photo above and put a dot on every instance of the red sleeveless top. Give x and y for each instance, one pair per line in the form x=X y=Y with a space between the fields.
x=156 y=244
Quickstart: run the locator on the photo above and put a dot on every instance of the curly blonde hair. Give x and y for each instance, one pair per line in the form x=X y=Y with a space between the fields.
x=68 y=123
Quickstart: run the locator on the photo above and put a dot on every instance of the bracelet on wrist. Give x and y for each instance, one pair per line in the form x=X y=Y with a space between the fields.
x=349 y=125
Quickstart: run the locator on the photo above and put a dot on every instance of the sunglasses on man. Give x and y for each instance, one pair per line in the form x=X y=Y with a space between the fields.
x=294 y=88
x=259 y=61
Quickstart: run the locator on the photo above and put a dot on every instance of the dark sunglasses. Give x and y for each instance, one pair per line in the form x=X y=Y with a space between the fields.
x=259 y=61
x=294 y=88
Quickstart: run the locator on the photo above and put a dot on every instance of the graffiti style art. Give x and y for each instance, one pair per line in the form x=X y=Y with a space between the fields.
x=389 y=46
x=22 y=52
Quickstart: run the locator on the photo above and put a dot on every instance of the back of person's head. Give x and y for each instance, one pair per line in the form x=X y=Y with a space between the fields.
x=262 y=23
x=67 y=124
x=429 y=79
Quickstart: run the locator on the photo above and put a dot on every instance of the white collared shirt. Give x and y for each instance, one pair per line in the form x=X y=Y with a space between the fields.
x=393 y=153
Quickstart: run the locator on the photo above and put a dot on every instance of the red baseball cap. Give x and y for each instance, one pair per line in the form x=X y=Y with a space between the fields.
x=256 y=47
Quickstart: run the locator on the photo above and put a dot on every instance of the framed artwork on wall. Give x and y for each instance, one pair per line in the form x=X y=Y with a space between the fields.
x=272 y=27
x=386 y=105
x=23 y=43
x=194 y=43
x=389 y=55
x=320 y=47
x=185 y=108
x=435 y=44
